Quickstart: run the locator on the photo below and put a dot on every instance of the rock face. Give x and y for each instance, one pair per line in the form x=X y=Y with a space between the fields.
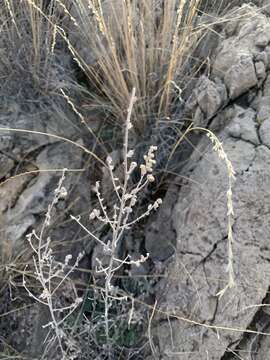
x=198 y=270
x=24 y=200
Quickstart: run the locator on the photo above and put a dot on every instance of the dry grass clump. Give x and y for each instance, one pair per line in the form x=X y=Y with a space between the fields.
x=124 y=44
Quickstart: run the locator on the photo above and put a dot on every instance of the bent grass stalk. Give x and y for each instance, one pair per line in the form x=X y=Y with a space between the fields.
x=218 y=148
x=7 y=129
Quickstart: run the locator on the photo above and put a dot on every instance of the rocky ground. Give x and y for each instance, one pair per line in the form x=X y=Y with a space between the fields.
x=188 y=238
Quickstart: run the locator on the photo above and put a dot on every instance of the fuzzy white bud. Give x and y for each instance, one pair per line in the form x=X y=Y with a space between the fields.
x=150 y=178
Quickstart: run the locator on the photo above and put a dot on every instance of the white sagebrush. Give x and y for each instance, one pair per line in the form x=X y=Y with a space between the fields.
x=51 y=276
x=119 y=221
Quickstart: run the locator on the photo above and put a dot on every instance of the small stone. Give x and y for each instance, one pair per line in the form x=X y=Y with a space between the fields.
x=235 y=130
x=199 y=118
x=209 y=98
x=241 y=77
x=266 y=87
x=262 y=39
x=267 y=51
x=263 y=109
x=260 y=70
x=265 y=132
x=266 y=7
x=231 y=27
x=261 y=56
x=6 y=164
x=244 y=126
